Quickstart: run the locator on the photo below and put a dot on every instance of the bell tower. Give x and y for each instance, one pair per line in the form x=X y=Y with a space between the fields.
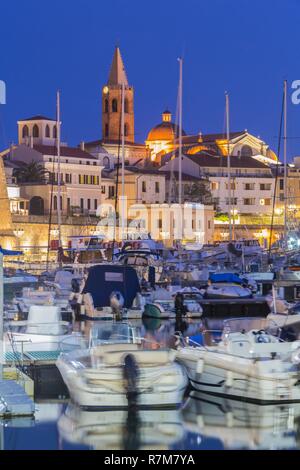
x=112 y=103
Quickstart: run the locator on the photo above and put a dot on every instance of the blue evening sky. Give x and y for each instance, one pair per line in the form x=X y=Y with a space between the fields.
x=247 y=47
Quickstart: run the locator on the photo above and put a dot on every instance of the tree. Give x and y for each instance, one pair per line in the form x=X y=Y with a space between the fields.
x=32 y=172
x=198 y=192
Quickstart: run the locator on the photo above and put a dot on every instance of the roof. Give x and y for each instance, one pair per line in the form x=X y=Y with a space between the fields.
x=192 y=139
x=166 y=130
x=103 y=142
x=184 y=176
x=117 y=74
x=235 y=162
x=64 y=151
x=38 y=118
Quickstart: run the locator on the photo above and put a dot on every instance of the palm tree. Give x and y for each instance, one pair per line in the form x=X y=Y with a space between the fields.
x=32 y=172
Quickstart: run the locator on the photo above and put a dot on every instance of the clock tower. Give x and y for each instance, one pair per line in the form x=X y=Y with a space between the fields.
x=112 y=103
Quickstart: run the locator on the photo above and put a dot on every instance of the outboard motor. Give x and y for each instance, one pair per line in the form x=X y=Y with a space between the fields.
x=116 y=304
x=131 y=376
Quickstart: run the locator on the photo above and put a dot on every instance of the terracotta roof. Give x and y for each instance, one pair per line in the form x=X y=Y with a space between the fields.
x=64 y=151
x=235 y=162
x=185 y=177
x=196 y=138
x=38 y=118
x=103 y=142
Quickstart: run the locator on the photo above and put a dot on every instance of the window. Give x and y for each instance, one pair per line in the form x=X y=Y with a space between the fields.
x=89 y=204
x=105 y=162
x=67 y=177
x=111 y=192
x=214 y=185
x=114 y=106
x=209 y=224
x=25 y=132
x=233 y=185
x=233 y=201
x=88 y=163
x=267 y=201
x=250 y=201
x=54 y=132
x=126 y=130
x=81 y=204
x=249 y=186
x=102 y=189
x=68 y=205
x=265 y=186
x=156 y=186
x=47 y=131
x=35 y=131
x=143 y=186
x=80 y=179
x=106 y=130
x=281 y=197
x=126 y=106
x=55 y=203
x=281 y=184
x=246 y=151
x=106 y=106
x=95 y=204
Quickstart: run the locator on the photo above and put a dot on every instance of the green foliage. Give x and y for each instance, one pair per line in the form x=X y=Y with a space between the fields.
x=32 y=172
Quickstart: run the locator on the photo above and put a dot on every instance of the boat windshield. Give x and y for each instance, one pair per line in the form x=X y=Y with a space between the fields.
x=238 y=325
x=109 y=333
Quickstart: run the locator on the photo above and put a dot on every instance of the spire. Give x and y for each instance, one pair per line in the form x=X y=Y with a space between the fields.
x=117 y=74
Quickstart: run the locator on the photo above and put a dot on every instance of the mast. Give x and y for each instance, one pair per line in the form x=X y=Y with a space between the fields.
x=58 y=167
x=180 y=133
x=123 y=160
x=285 y=165
x=228 y=166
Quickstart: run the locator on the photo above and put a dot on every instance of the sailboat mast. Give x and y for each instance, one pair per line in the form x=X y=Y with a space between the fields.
x=180 y=133
x=285 y=165
x=58 y=167
x=228 y=166
x=123 y=161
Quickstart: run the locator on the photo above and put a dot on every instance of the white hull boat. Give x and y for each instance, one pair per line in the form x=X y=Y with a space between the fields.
x=254 y=366
x=95 y=376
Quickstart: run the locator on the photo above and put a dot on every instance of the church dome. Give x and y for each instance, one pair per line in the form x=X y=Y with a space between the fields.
x=166 y=130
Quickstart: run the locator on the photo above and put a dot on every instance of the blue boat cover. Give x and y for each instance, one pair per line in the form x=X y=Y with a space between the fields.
x=104 y=279
x=226 y=277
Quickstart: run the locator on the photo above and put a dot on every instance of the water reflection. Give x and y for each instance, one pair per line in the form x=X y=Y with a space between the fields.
x=121 y=429
x=242 y=425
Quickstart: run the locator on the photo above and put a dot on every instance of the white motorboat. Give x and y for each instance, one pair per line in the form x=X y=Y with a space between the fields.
x=117 y=366
x=43 y=330
x=242 y=425
x=18 y=277
x=225 y=291
x=249 y=363
x=120 y=429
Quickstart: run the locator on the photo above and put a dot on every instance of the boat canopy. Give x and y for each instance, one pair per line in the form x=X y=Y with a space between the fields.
x=104 y=279
x=226 y=277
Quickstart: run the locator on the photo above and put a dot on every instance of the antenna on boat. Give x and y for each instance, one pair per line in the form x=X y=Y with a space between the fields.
x=58 y=167
x=228 y=165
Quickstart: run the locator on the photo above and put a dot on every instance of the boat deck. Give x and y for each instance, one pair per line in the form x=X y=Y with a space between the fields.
x=256 y=306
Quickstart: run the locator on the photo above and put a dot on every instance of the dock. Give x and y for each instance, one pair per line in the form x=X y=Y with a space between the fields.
x=13 y=400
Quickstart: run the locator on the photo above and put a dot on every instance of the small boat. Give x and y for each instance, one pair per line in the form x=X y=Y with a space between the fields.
x=18 y=276
x=111 y=290
x=184 y=302
x=249 y=361
x=43 y=330
x=118 y=368
x=227 y=286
